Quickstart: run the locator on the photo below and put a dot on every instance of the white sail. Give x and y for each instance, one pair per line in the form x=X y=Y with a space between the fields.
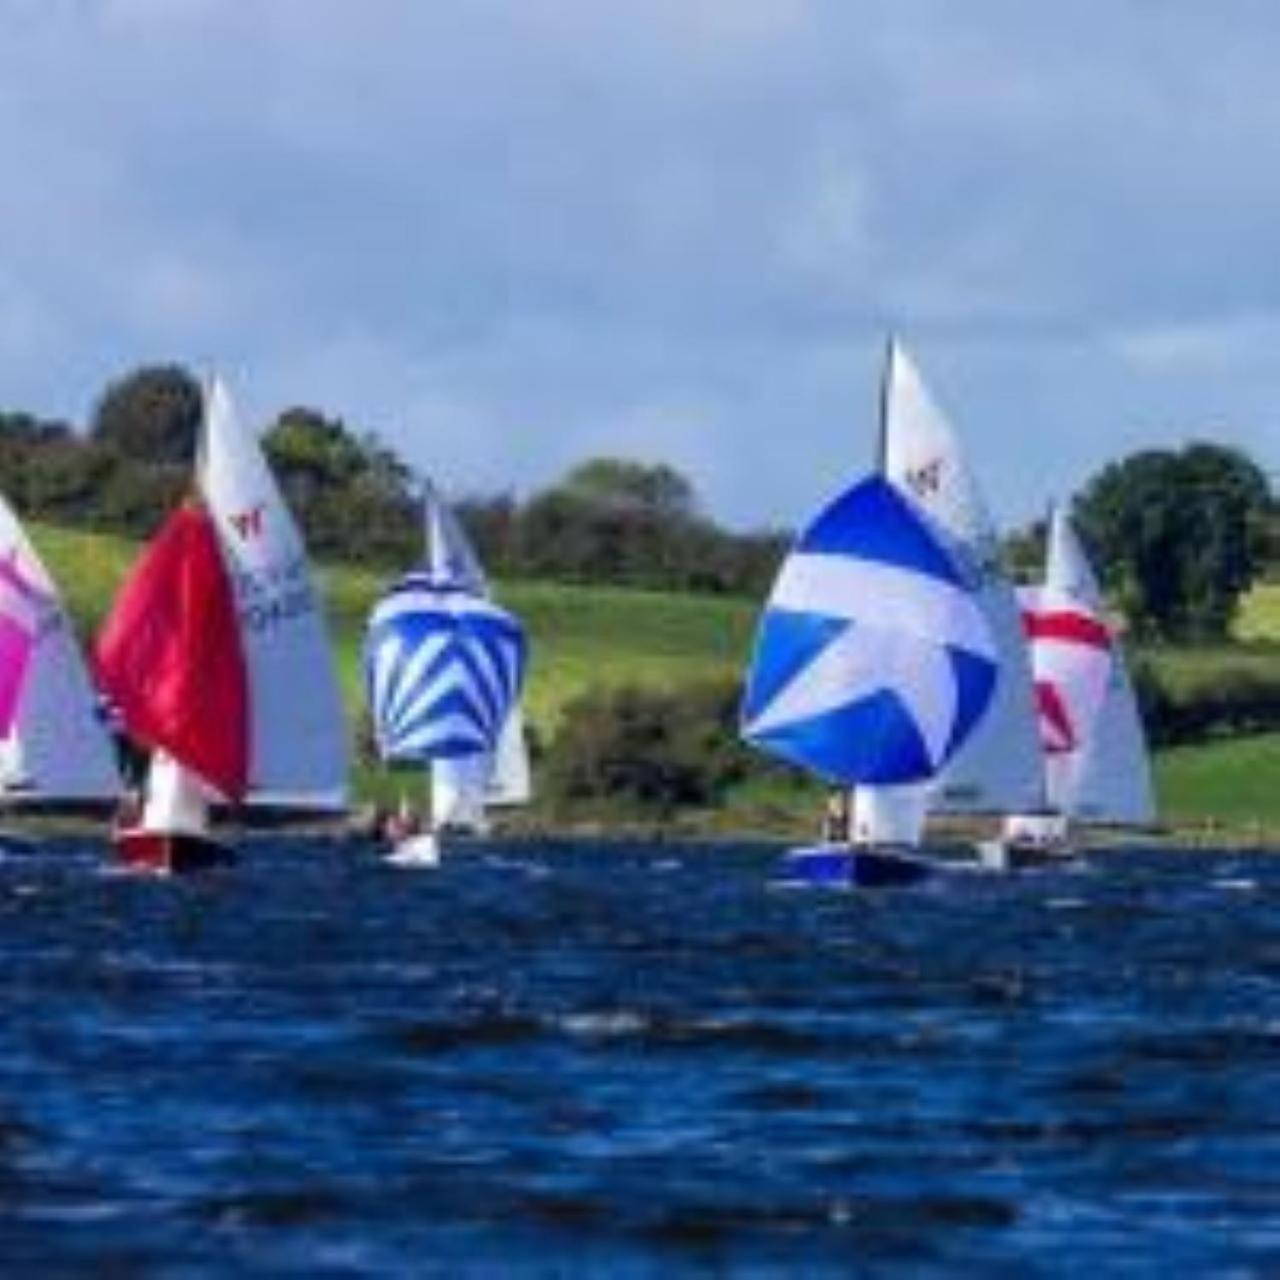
x=887 y=815
x=298 y=737
x=998 y=769
x=59 y=748
x=511 y=782
x=1113 y=782
x=458 y=790
x=176 y=799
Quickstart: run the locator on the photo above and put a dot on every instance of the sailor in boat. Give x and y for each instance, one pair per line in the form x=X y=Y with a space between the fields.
x=837 y=818
x=403 y=824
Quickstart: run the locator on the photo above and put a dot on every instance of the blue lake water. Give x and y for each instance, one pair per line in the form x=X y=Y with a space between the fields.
x=637 y=1061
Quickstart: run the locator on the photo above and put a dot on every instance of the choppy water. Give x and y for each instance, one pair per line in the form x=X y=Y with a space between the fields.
x=560 y=1060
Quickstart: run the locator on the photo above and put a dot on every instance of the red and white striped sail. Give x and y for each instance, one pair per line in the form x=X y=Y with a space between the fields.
x=1095 y=757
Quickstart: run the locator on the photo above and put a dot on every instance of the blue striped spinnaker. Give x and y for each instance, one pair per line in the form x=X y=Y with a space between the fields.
x=443 y=667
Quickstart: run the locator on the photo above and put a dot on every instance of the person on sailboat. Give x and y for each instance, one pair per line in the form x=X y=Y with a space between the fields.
x=836 y=828
x=403 y=823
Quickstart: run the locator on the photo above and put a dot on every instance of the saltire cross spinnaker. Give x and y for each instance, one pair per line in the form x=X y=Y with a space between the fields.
x=873 y=661
x=444 y=667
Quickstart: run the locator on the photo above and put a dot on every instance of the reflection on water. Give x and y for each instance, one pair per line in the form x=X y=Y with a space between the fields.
x=554 y=1059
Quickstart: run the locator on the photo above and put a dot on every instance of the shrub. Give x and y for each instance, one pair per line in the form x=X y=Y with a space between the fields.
x=648 y=751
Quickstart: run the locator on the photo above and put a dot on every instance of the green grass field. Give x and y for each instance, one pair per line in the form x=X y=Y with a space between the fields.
x=1235 y=782
x=1259 y=618
x=586 y=636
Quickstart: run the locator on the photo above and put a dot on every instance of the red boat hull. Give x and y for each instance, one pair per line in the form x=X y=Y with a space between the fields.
x=170 y=852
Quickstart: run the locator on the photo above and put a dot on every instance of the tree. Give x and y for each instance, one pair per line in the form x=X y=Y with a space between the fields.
x=1179 y=536
x=657 y=490
x=353 y=496
x=151 y=416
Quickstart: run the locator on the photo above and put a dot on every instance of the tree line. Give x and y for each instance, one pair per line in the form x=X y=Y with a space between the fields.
x=1178 y=535
x=609 y=520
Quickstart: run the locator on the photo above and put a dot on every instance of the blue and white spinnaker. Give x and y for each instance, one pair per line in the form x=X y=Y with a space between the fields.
x=873 y=660
x=444 y=667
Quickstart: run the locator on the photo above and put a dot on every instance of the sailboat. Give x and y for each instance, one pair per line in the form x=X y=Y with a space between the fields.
x=55 y=749
x=873 y=665
x=444 y=667
x=218 y=662
x=997 y=770
x=1096 y=767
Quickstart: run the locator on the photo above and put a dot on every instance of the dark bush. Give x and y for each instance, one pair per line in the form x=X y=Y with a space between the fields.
x=646 y=751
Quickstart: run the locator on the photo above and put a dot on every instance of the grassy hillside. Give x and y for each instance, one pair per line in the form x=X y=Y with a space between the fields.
x=582 y=636
x=1260 y=614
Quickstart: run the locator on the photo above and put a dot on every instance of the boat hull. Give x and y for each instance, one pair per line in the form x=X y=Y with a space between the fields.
x=422 y=850
x=170 y=852
x=846 y=866
x=1023 y=855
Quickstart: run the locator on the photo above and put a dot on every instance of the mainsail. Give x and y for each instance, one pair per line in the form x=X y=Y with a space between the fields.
x=997 y=770
x=298 y=748
x=873 y=661
x=57 y=747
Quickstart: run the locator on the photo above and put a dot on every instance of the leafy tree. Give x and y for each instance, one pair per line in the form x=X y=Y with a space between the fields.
x=353 y=496
x=1178 y=536
x=150 y=416
x=1024 y=551
x=658 y=489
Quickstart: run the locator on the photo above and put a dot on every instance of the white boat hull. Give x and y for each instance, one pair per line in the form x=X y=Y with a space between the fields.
x=422 y=850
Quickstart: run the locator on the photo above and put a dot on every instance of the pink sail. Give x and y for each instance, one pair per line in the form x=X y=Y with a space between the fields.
x=20 y=608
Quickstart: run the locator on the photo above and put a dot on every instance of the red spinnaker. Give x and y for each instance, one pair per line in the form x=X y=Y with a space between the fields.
x=170 y=658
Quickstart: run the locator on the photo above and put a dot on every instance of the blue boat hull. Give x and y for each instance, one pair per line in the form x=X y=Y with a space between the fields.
x=842 y=865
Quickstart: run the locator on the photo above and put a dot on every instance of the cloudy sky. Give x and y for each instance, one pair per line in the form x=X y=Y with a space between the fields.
x=511 y=234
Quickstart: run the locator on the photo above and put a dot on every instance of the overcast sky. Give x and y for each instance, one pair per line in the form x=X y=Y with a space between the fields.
x=511 y=234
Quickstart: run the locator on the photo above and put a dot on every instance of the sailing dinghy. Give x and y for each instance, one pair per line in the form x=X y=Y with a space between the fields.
x=217 y=660
x=55 y=750
x=1096 y=766
x=996 y=771
x=444 y=666
x=873 y=665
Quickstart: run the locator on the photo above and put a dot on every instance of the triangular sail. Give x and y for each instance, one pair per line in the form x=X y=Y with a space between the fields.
x=58 y=747
x=873 y=663
x=998 y=768
x=298 y=737
x=511 y=779
x=1096 y=764
x=169 y=656
x=1113 y=783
